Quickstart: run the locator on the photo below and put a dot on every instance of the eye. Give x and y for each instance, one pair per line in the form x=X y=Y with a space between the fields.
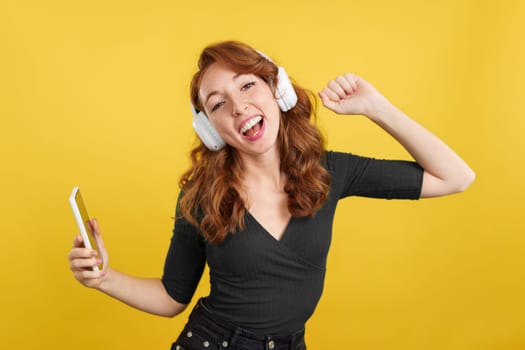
x=217 y=106
x=247 y=86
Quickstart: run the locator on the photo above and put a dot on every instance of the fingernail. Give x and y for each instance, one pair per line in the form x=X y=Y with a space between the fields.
x=93 y=253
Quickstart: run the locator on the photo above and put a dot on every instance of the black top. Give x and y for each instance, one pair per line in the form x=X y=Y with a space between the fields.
x=270 y=286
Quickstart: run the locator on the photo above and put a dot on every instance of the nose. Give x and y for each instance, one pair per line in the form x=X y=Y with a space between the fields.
x=239 y=107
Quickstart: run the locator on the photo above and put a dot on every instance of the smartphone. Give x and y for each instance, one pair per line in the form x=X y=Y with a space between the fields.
x=82 y=219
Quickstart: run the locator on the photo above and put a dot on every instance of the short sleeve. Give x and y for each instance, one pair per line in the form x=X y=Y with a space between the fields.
x=377 y=178
x=185 y=260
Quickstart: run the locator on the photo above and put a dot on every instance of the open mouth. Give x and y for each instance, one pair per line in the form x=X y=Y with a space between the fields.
x=252 y=127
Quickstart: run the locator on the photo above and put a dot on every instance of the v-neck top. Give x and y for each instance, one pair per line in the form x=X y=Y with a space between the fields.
x=271 y=286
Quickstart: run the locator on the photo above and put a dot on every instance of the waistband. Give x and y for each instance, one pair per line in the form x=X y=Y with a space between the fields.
x=238 y=334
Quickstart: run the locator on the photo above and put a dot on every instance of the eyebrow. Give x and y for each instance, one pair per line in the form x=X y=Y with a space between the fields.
x=216 y=92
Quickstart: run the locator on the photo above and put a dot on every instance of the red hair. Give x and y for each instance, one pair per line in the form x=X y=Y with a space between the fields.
x=212 y=192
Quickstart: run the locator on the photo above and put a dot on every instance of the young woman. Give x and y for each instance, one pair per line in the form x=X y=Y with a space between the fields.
x=258 y=202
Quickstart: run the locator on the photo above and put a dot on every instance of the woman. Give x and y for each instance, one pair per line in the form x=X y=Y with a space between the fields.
x=258 y=202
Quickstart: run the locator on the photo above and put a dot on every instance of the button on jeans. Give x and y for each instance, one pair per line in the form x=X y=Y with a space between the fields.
x=205 y=331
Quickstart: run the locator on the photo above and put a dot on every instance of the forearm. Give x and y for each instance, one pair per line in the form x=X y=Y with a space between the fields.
x=448 y=172
x=146 y=294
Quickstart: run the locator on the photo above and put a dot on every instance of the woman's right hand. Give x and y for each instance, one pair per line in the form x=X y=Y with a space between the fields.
x=82 y=260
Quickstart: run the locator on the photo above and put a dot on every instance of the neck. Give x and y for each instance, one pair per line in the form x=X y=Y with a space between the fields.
x=263 y=171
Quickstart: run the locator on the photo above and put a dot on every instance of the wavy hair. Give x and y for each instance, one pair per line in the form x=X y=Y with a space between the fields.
x=212 y=190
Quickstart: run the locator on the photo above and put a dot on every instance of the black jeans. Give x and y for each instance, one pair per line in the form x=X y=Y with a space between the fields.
x=205 y=331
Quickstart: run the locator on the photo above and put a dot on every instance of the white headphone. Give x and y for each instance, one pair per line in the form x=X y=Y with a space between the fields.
x=284 y=93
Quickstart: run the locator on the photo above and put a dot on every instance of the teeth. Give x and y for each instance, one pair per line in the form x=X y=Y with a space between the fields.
x=250 y=124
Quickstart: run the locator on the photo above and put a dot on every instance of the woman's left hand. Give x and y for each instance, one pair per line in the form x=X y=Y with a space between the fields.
x=351 y=94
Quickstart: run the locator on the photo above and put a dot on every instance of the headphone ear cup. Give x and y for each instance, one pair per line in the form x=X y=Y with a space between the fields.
x=206 y=132
x=285 y=93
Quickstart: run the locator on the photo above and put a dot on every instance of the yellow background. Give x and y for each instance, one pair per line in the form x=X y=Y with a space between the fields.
x=95 y=94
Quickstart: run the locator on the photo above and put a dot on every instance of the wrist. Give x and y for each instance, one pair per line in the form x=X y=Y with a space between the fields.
x=381 y=111
x=105 y=281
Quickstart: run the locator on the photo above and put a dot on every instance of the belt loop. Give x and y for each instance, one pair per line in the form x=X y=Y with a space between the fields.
x=296 y=340
x=233 y=339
